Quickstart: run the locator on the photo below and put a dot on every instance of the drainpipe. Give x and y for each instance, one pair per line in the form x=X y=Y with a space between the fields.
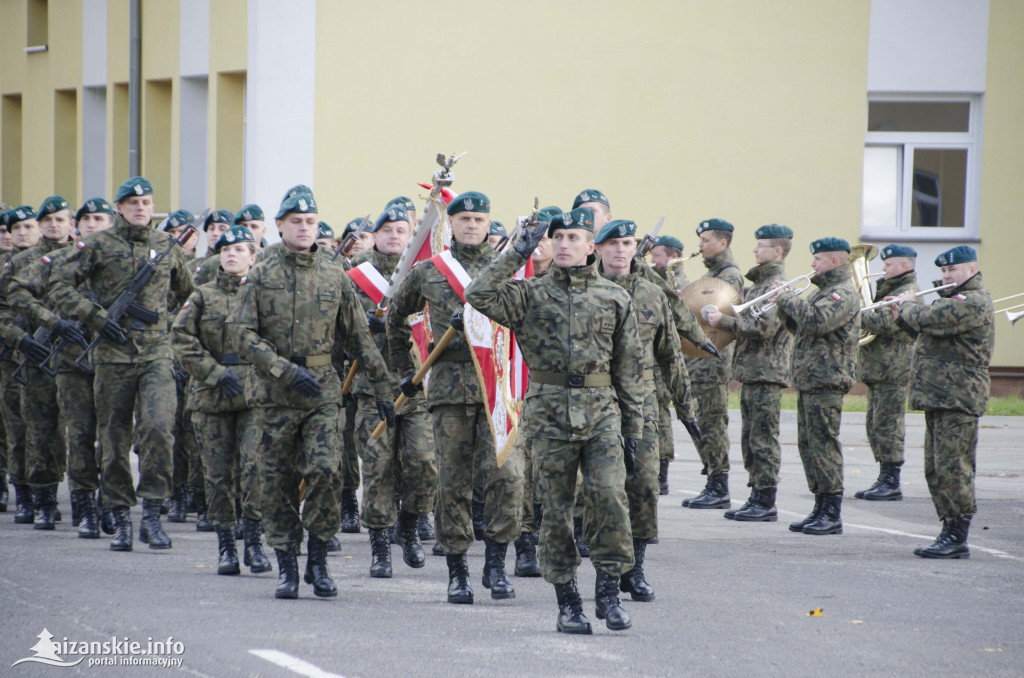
x=134 y=87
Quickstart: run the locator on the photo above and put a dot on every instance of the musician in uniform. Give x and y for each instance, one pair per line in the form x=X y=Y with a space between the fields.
x=251 y=217
x=496 y=234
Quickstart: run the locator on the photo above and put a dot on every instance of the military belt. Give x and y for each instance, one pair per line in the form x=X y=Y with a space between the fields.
x=570 y=380
x=455 y=355
x=228 y=359
x=321 y=360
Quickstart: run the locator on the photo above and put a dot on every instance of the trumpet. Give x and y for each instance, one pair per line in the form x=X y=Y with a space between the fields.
x=757 y=308
x=1012 y=316
x=890 y=302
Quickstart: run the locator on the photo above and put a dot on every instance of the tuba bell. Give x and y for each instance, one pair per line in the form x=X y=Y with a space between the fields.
x=860 y=255
x=674 y=272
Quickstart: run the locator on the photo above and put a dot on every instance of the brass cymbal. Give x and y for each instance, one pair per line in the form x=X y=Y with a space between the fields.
x=709 y=292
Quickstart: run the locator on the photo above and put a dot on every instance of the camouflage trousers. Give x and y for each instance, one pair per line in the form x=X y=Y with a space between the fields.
x=227 y=443
x=135 y=406
x=760 y=406
x=297 y=445
x=399 y=467
x=78 y=416
x=349 y=451
x=3 y=449
x=950 y=445
x=885 y=421
x=46 y=448
x=526 y=451
x=818 y=418
x=465 y=450
x=641 y=489
x=187 y=461
x=713 y=418
x=666 y=442
x=14 y=425
x=556 y=463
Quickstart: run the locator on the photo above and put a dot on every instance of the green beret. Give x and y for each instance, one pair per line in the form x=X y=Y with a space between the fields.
x=829 y=245
x=497 y=228
x=54 y=203
x=295 y=190
x=405 y=202
x=233 y=235
x=897 y=251
x=178 y=218
x=324 y=230
x=94 y=206
x=590 y=195
x=957 y=255
x=772 y=231
x=4 y=216
x=714 y=225
x=392 y=213
x=669 y=241
x=353 y=225
x=16 y=214
x=218 y=217
x=250 y=212
x=581 y=217
x=618 y=228
x=549 y=213
x=470 y=201
x=133 y=186
x=301 y=203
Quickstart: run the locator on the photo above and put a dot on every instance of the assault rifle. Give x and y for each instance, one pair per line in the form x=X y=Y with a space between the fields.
x=648 y=240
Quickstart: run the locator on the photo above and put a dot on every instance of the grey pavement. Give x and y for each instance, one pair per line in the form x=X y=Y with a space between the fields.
x=732 y=598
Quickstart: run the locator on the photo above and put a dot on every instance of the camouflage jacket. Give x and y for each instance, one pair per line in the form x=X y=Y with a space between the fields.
x=571 y=322
x=9 y=332
x=826 y=326
x=659 y=343
x=201 y=339
x=293 y=306
x=763 y=346
x=717 y=370
x=887 y=358
x=453 y=378
x=105 y=263
x=954 y=349
x=206 y=270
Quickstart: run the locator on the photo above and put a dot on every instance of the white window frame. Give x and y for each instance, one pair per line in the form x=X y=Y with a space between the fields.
x=908 y=142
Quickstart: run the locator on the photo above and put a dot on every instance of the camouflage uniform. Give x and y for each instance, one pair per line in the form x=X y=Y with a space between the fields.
x=574 y=325
x=293 y=306
x=951 y=384
x=14 y=426
x=463 y=440
x=206 y=270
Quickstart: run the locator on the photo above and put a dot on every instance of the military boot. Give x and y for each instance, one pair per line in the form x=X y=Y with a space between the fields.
x=288 y=572
x=798 y=526
x=25 y=512
x=570 y=610
x=634 y=582
x=951 y=542
x=253 y=556
x=607 y=605
x=316 y=569
x=731 y=513
x=494 y=577
x=886 y=488
x=107 y=522
x=577 y=533
x=762 y=508
x=349 y=512
x=409 y=540
x=424 y=528
x=526 y=556
x=239 y=526
x=76 y=512
x=663 y=477
x=227 y=559
x=122 y=539
x=716 y=496
x=150 y=530
x=334 y=544
x=3 y=494
x=89 y=525
x=178 y=505
x=700 y=495
x=829 y=520
x=202 y=524
x=46 y=507
x=459 y=590
x=380 y=552
x=479 y=523
x=438 y=550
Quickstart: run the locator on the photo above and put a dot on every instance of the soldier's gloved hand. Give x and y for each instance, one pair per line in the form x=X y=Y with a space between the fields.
x=112 y=331
x=305 y=383
x=711 y=348
x=531 y=236
x=35 y=351
x=347 y=399
x=694 y=430
x=230 y=384
x=386 y=410
x=377 y=325
x=457 y=322
x=408 y=388
x=629 y=454
x=71 y=331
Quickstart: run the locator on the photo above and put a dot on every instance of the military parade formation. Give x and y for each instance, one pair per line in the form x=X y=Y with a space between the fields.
x=517 y=384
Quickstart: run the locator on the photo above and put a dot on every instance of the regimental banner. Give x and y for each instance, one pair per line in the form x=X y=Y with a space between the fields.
x=369 y=280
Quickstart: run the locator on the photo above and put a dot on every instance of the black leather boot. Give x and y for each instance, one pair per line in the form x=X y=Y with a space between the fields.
x=178 y=505
x=526 y=556
x=409 y=540
x=25 y=511
x=829 y=520
x=716 y=496
x=424 y=528
x=494 y=577
x=577 y=533
x=227 y=553
x=663 y=476
x=106 y=515
x=253 y=556
x=202 y=524
x=76 y=514
x=459 y=590
x=122 y=539
x=607 y=605
x=349 y=512
x=762 y=508
x=438 y=550
x=316 y=569
x=239 y=527
x=731 y=513
x=634 y=582
x=288 y=573
x=570 y=610
x=479 y=523
x=3 y=494
x=798 y=526
x=46 y=507
x=380 y=552
x=150 y=530
x=951 y=542
x=886 y=488
x=700 y=495
x=334 y=545
x=89 y=525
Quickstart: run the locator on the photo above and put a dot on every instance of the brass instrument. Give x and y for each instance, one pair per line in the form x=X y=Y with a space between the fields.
x=698 y=296
x=883 y=304
x=674 y=271
x=1012 y=296
x=757 y=309
x=1014 y=317
x=860 y=255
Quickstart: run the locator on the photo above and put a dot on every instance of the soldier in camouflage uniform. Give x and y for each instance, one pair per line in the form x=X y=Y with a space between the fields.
x=6 y=247
x=222 y=421
x=584 y=406
x=251 y=217
x=134 y=380
x=761 y=365
x=216 y=223
x=293 y=305
x=884 y=367
x=956 y=337
x=826 y=328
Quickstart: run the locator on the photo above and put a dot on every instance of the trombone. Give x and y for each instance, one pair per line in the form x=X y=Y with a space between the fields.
x=890 y=302
x=758 y=309
x=1012 y=316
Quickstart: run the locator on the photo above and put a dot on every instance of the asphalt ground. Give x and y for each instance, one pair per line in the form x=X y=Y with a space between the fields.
x=733 y=599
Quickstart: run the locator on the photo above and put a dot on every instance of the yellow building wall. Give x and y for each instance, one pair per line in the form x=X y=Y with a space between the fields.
x=228 y=61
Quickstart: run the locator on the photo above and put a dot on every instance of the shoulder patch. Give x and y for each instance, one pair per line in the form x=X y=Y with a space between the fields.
x=836 y=296
x=198 y=268
x=960 y=297
x=80 y=244
x=46 y=259
x=244 y=280
x=186 y=304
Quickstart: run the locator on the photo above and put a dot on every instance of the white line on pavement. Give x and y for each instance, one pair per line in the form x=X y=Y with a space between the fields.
x=294 y=664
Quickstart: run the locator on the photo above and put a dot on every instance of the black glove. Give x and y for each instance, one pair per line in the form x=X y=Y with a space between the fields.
x=112 y=332
x=305 y=383
x=386 y=410
x=456 y=321
x=408 y=388
x=347 y=399
x=693 y=430
x=629 y=454
x=71 y=331
x=230 y=384
x=180 y=375
x=377 y=325
x=712 y=349
x=35 y=351
x=531 y=236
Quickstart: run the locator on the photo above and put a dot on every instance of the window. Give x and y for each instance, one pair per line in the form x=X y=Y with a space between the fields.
x=921 y=168
x=37 y=25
